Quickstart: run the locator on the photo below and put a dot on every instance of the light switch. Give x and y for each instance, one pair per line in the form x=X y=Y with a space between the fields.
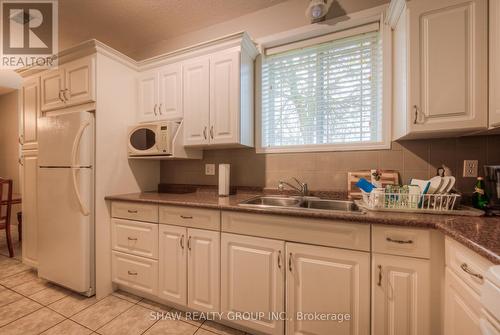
x=210 y=169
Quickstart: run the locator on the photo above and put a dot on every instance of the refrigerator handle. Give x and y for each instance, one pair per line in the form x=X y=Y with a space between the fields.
x=74 y=153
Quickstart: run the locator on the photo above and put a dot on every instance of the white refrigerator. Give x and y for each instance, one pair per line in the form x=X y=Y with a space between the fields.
x=66 y=248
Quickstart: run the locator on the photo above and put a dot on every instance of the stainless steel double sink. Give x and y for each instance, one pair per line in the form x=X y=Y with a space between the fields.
x=302 y=203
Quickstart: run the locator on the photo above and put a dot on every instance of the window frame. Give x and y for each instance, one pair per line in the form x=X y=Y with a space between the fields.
x=352 y=21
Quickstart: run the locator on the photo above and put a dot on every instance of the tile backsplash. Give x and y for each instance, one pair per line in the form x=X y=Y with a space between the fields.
x=328 y=170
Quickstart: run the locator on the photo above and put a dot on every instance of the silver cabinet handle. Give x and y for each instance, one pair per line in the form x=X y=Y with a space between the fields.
x=154 y=109
x=21 y=139
x=466 y=269
x=181 y=241
x=60 y=96
x=416 y=114
x=388 y=239
x=132 y=238
x=379 y=283
x=186 y=217
x=159 y=109
x=279 y=259
x=132 y=273
x=212 y=132
x=132 y=211
x=205 y=132
x=189 y=243
x=64 y=94
x=21 y=161
x=290 y=262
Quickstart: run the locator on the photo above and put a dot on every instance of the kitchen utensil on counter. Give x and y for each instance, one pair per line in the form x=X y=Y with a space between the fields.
x=224 y=170
x=436 y=184
x=388 y=177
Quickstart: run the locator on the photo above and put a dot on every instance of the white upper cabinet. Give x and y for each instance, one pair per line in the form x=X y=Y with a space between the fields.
x=196 y=101
x=327 y=280
x=440 y=68
x=494 y=63
x=29 y=107
x=70 y=84
x=256 y=265
x=147 y=88
x=159 y=94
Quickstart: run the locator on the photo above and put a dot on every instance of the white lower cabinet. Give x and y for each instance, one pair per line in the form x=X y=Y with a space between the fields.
x=190 y=267
x=321 y=281
x=253 y=281
x=401 y=295
x=138 y=273
x=173 y=264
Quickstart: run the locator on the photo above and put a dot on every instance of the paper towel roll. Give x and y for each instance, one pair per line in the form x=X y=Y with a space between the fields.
x=224 y=179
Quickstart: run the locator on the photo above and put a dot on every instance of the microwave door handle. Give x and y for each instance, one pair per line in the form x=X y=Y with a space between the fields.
x=74 y=152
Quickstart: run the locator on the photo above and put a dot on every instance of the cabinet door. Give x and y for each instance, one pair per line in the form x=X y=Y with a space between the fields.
x=80 y=81
x=147 y=97
x=325 y=280
x=29 y=172
x=30 y=111
x=494 y=64
x=256 y=265
x=173 y=259
x=170 y=104
x=196 y=102
x=462 y=309
x=52 y=86
x=448 y=64
x=225 y=98
x=401 y=295
x=203 y=270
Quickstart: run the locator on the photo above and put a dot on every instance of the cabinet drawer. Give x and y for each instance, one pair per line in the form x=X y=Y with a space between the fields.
x=134 y=237
x=467 y=265
x=190 y=217
x=401 y=241
x=135 y=272
x=134 y=211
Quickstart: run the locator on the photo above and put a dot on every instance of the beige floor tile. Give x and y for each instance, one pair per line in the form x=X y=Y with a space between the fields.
x=32 y=287
x=7 y=296
x=134 y=321
x=202 y=331
x=157 y=307
x=19 y=278
x=127 y=296
x=181 y=315
x=171 y=327
x=72 y=304
x=102 y=312
x=11 y=268
x=221 y=329
x=17 y=309
x=67 y=327
x=50 y=295
x=33 y=323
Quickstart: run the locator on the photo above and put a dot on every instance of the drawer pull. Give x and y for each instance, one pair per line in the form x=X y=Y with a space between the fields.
x=186 y=217
x=290 y=262
x=132 y=273
x=132 y=238
x=189 y=243
x=466 y=269
x=182 y=241
x=379 y=283
x=132 y=211
x=388 y=239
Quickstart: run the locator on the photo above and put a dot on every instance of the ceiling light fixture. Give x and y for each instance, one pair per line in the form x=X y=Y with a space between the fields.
x=317 y=10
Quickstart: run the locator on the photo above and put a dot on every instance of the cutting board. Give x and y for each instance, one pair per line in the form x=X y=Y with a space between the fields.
x=389 y=177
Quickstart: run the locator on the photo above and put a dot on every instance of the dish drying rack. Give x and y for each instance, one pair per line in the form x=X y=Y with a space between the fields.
x=379 y=200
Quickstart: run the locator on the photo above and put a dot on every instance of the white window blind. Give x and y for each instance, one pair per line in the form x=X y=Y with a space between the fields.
x=326 y=94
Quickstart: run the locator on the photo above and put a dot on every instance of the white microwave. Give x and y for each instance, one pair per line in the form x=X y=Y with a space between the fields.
x=151 y=139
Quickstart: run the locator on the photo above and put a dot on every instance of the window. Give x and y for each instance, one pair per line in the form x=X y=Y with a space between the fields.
x=323 y=96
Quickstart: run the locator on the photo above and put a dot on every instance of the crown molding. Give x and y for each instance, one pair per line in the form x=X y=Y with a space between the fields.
x=396 y=8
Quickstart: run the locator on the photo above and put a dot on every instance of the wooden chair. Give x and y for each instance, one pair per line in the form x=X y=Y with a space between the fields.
x=6 y=202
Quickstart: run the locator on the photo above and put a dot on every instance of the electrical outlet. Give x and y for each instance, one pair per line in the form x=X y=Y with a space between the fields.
x=470 y=168
x=210 y=169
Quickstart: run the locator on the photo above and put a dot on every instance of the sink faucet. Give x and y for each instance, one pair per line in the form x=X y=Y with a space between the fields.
x=302 y=187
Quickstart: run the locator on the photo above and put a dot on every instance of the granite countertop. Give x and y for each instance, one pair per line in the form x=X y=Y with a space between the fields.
x=481 y=234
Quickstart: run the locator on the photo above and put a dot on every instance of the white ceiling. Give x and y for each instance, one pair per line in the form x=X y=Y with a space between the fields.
x=128 y=24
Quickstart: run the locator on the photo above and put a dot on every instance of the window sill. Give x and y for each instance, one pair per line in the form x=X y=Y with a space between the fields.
x=325 y=147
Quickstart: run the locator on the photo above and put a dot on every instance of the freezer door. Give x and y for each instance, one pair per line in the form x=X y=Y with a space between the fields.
x=66 y=139
x=66 y=229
